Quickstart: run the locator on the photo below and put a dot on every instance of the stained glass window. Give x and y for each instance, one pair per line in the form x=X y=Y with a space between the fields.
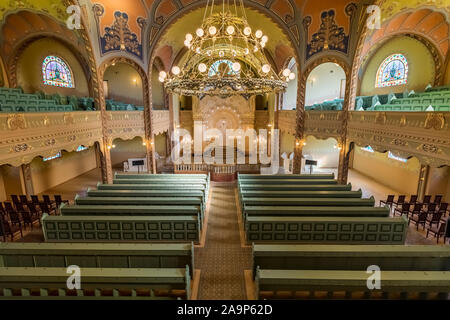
x=55 y=72
x=392 y=72
x=222 y=67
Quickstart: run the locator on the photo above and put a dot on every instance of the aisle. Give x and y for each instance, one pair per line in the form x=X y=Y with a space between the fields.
x=222 y=260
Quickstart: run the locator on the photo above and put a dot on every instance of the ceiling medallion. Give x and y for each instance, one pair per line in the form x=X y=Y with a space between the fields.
x=225 y=57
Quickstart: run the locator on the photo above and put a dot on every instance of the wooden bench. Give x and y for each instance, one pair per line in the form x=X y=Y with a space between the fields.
x=296 y=187
x=288 y=181
x=122 y=228
x=142 y=201
x=326 y=230
x=332 y=282
x=351 y=257
x=246 y=176
x=96 y=283
x=300 y=194
x=132 y=210
x=147 y=193
x=97 y=255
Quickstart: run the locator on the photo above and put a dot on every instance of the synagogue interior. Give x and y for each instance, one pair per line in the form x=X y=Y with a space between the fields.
x=225 y=149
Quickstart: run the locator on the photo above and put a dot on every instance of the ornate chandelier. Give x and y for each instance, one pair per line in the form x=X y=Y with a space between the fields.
x=225 y=57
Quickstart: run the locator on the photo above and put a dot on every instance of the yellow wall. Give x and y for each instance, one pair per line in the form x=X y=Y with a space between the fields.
x=287 y=142
x=11 y=181
x=160 y=144
x=46 y=175
x=29 y=68
x=157 y=89
x=323 y=151
x=447 y=75
x=399 y=176
x=439 y=182
x=420 y=61
x=121 y=84
x=126 y=149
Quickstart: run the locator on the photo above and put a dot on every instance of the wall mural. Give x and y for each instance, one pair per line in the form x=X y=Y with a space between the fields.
x=118 y=36
x=330 y=36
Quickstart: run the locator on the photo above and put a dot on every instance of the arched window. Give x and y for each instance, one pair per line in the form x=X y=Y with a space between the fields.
x=392 y=72
x=222 y=67
x=56 y=72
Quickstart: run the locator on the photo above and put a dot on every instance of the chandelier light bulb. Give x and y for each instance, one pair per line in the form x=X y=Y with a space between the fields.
x=236 y=66
x=258 y=34
x=292 y=76
x=189 y=37
x=255 y=49
x=197 y=50
x=230 y=30
x=247 y=31
x=265 y=39
x=187 y=43
x=212 y=30
x=246 y=51
x=263 y=44
x=161 y=79
x=202 y=67
x=286 y=72
x=221 y=53
x=163 y=74
x=265 y=68
x=176 y=70
x=199 y=32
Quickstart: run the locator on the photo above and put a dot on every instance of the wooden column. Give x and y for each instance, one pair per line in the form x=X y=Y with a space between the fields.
x=300 y=122
x=344 y=154
x=148 y=108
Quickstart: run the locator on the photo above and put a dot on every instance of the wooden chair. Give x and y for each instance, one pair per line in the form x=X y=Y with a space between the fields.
x=426 y=200
x=9 y=209
x=430 y=209
x=437 y=199
x=28 y=219
x=443 y=208
x=438 y=231
x=23 y=199
x=59 y=200
x=48 y=201
x=45 y=208
x=9 y=230
x=434 y=219
x=417 y=209
x=400 y=201
x=419 y=219
x=389 y=201
x=413 y=199
x=35 y=211
x=35 y=199
x=15 y=199
x=403 y=210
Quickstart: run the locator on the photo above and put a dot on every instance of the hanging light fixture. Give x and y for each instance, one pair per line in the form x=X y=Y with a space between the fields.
x=225 y=57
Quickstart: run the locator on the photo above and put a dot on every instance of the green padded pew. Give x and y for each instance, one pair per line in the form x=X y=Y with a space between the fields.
x=122 y=228
x=159 y=283
x=96 y=255
x=161 y=181
x=297 y=187
x=287 y=181
x=351 y=257
x=159 y=176
x=327 y=230
x=247 y=176
x=283 y=202
x=398 y=282
x=138 y=210
x=173 y=188
x=300 y=194
x=313 y=212
x=146 y=193
x=142 y=201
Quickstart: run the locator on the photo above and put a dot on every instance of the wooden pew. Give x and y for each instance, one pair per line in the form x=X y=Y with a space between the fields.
x=300 y=194
x=142 y=201
x=326 y=230
x=247 y=176
x=96 y=255
x=351 y=257
x=123 y=283
x=288 y=181
x=313 y=212
x=296 y=187
x=121 y=228
x=147 y=193
x=132 y=210
x=401 y=283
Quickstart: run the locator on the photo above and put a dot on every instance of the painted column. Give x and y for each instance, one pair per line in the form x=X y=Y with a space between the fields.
x=423 y=179
x=148 y=108
x=344 y=153
x=300 y=123
x=27 y=181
